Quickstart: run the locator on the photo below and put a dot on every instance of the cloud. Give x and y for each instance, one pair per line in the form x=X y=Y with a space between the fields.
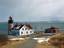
x=32 y=10
x=8 y=3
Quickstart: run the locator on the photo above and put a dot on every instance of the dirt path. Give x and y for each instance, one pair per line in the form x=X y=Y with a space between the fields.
x=30 y=43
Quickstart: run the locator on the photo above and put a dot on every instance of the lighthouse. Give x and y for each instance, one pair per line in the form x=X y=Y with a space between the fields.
x=10 y=23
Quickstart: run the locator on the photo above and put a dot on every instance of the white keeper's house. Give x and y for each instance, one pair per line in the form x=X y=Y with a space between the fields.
x=21 y=30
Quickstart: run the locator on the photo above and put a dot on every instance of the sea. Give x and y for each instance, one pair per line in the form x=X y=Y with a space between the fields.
x=37 y=26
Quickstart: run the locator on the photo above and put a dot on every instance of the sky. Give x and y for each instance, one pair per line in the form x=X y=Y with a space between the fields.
x=32 y=10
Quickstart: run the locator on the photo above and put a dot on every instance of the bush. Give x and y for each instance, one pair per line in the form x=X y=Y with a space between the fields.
x=57 y=40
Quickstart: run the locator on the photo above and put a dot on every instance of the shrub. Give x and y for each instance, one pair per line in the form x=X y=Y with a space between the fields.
x=57 y=40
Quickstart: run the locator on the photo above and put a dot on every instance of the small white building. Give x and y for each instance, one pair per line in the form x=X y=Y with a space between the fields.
x=22 y=30
x=25 y=30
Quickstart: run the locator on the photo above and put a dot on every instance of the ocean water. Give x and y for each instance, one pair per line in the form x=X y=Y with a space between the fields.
x=3 y=28
x=37 y=26
x=41 y=26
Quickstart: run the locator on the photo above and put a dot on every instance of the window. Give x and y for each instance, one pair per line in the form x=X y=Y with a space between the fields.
x=22 y=28
x=27 y=32
x=21 y=32
x=25 y=28
x=30 y=31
